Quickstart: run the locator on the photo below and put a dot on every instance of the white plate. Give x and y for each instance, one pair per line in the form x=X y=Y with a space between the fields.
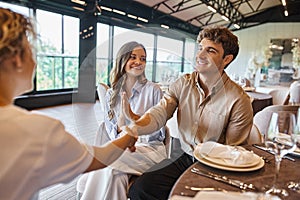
x=255 y=160
x=237 y=169
x=296 y=152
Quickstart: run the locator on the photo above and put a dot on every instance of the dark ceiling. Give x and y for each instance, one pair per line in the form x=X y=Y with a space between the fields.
x=188 y=16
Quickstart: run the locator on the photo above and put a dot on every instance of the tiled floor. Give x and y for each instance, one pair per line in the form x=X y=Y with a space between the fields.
x=81 y=120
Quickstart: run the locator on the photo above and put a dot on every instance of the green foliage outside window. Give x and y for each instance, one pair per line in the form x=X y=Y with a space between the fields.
x=55 y=71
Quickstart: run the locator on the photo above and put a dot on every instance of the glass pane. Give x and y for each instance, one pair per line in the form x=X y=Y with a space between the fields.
x=121 y=37
x=169 y=59
x=71 y=36
x=102 y=40
x=102 y=53
x=71 y=72
x=189 y=56
x=50 y=75
x=102 y=71
x=50 y=31
x=149 y=69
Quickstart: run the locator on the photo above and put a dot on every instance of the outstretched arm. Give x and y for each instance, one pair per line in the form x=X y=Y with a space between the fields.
x=107 y=154
x=155 y=118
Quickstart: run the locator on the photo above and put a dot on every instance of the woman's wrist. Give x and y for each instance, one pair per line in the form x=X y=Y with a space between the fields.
x=118 y=130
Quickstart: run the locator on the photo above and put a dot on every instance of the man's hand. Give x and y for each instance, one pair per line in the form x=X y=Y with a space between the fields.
x=133 y=136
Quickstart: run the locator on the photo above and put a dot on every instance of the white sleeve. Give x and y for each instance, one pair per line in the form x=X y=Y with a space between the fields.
x=64 y=157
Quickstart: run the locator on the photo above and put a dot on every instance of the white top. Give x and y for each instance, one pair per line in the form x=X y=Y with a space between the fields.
x=144 y=96
x=36 y=152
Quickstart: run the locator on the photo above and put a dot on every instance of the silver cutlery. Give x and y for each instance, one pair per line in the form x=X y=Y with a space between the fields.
x=267 y=150
x=224 y=179
x=204 y=188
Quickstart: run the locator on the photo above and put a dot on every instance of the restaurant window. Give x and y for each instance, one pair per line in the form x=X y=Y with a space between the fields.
x=57 y=51
x=102 y=54
x=169 y=59
x=189 y=55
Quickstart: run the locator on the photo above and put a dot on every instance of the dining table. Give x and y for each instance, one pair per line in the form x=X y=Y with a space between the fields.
x=261 y=178
x=259 y=100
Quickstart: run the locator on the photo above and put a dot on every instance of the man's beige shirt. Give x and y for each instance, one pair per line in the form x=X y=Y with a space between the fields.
x=224 y=116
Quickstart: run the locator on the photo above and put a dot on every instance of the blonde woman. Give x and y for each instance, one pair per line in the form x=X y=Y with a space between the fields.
x=36 y=151
x=128 y=80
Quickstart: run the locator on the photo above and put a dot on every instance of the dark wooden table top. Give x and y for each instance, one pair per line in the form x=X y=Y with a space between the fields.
x=289 y=171
x=260 y=101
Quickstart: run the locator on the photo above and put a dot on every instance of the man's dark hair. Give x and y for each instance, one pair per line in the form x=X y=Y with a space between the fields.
x=221 y=35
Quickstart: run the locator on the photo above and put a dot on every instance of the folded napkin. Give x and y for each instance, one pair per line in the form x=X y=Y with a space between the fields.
x=230 y=155
x=217 y=195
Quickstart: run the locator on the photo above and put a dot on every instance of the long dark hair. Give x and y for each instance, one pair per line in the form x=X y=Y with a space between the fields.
x=118 y=73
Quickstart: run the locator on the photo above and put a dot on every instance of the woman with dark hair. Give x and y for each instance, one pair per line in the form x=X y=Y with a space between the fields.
x=128 y=81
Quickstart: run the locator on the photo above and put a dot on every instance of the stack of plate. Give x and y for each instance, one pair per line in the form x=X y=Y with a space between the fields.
x=254 y=162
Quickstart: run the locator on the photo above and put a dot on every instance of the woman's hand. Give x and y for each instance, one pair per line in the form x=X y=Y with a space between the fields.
x=126 y=109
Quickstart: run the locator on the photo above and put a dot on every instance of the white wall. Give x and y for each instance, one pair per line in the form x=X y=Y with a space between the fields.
x=253 y=40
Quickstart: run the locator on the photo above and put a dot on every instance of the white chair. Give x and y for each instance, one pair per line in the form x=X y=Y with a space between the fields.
x=295 y=93
x=280 y=97
x=101 y=91
x=262 y=118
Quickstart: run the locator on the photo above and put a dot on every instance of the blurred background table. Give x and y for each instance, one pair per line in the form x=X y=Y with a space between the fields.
x=260 y=101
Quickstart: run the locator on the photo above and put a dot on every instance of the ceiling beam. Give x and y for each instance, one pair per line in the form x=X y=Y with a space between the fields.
x=227 y=9
x=154 y=16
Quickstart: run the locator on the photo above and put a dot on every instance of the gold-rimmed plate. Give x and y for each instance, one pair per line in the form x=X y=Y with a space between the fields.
x=202 y=160
x=255 y=159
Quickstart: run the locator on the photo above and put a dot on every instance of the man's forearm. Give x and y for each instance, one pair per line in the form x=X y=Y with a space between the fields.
x=145 y=125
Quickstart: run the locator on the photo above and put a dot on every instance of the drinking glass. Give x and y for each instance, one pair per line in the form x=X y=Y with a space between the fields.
x=296 y=185
x=281 y=140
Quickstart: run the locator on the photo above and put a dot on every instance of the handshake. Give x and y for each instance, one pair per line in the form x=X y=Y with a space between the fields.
x=130 y=137
x=140 y=125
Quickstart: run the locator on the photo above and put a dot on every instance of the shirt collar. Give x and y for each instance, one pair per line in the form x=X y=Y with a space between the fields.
x=219 y=85
x=137 y=87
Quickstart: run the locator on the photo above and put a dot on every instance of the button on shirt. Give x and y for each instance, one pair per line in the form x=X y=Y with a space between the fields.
x=225 y=115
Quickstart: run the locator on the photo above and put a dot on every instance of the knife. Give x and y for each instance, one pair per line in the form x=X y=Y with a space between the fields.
x=224 y=179
x=267 y=150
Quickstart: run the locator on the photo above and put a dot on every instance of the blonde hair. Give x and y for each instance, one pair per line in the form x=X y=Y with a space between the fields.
x=13 y=28
x=118 y=73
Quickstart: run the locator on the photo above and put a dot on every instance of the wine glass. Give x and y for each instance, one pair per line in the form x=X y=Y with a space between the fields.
x=296 y=185
x=281 y=140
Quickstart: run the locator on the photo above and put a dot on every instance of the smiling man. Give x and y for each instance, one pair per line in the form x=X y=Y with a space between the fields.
x=211 y=107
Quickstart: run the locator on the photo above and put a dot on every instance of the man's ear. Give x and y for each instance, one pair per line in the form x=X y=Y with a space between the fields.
x=227 y=59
